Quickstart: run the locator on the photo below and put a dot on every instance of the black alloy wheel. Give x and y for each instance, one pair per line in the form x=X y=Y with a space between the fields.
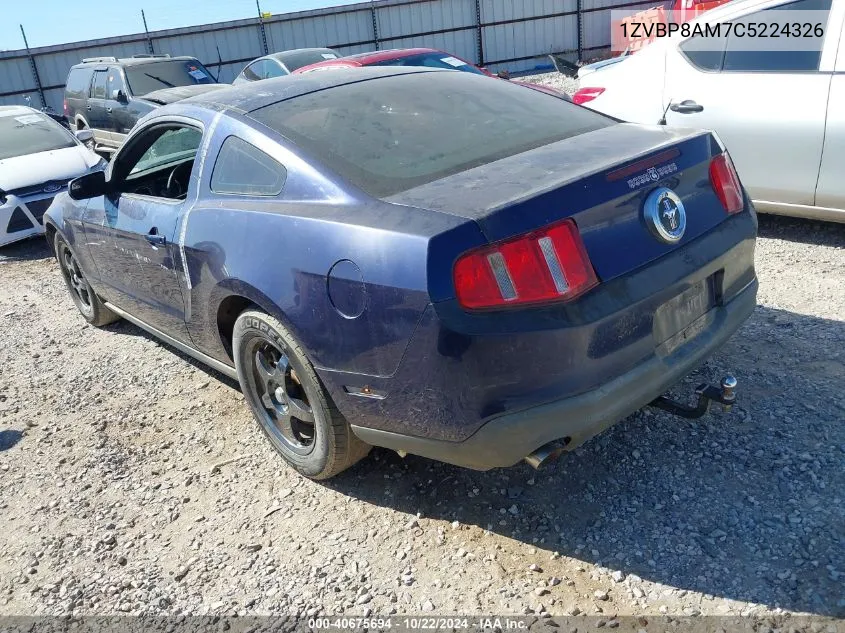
x=287 y=411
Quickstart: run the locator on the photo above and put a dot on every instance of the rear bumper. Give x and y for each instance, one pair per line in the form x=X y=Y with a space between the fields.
x=508 y=438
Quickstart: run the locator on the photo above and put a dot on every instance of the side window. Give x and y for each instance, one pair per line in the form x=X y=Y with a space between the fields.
x=244 y=169
x=736 y=54
x=249 y=72
x=157 y=161
x=173 y=145
x=273 y=70
x=256 y=71
x=115 y=83
x=704 y=53
x=98 y=86
x=262 y=68
x=78 y=82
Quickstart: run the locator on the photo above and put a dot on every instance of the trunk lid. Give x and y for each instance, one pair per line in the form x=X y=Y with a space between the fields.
x=600 y=179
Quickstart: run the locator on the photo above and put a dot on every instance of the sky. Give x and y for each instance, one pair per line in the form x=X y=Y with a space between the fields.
x=50 y=22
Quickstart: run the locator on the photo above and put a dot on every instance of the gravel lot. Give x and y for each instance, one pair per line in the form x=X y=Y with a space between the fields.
x=135 y=481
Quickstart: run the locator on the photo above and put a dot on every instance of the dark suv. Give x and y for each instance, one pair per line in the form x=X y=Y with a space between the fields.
x=108 y=95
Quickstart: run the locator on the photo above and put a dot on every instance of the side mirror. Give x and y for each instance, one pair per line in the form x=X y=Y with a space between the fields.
x=85 y=135
x=119 y=96
x=503 y=74
x=88 y=186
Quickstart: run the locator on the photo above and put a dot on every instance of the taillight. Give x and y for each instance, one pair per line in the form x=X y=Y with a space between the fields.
x=726 y=183
x=64 y=106
x=586 y=94
x=542 y=266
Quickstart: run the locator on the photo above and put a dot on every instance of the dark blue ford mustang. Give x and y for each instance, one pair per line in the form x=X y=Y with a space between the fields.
x=423 y=260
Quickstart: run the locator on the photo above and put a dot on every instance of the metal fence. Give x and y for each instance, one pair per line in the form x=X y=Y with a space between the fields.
x=515 y=35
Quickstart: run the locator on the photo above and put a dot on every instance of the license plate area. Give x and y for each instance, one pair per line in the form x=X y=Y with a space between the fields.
x=681 y=314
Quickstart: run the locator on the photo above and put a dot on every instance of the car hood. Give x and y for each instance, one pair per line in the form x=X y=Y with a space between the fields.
x=172 y=95
x=57 y=164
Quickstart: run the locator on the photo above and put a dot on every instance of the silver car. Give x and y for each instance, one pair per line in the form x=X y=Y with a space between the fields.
x=780 y=114
x=283 y=63
x=37 y=159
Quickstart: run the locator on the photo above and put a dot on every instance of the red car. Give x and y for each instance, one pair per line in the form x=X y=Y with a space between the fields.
x=428 y=57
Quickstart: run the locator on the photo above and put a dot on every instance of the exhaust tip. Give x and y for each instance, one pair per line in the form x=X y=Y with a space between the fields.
x=546 y=453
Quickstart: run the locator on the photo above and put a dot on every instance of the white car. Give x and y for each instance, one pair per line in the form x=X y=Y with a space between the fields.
x=37 y=159
x=781 y=114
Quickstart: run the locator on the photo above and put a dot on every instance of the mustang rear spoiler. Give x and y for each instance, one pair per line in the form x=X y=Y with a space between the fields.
x=563 y=66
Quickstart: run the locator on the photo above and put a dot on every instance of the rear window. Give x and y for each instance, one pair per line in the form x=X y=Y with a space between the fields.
x=146 y=78
x=78 y=81
x=30 y=133
x=392 y=134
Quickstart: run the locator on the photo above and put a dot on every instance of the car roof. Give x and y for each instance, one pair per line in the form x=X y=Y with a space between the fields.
x=258 y=94
x=12 y=110
x=135 y=61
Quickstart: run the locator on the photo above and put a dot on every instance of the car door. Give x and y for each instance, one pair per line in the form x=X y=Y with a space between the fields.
x=95 y=110
x=120 y=118
x=752 y=98
x=132 y=230
x=830 y=189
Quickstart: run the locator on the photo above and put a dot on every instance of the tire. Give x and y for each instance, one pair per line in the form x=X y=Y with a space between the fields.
x=84 y=298
x=288 y=400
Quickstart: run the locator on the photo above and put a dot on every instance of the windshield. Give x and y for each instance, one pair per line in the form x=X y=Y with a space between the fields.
x=431 y=60
x=390 y=134
x=146 y=78
x=30 y=133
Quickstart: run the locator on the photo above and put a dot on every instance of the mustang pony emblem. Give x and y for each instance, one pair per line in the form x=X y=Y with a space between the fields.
x=665 y=215
x=670 y=213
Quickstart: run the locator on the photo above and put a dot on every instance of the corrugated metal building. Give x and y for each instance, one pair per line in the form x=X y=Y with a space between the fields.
x=501 y=34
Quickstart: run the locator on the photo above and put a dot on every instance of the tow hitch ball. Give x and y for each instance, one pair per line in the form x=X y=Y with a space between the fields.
x=724 y=395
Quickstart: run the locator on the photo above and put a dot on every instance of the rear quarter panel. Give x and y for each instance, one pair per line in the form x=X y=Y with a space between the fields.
x=279 y=251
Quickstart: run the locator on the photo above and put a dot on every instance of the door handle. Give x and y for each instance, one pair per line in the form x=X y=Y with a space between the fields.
x=108 y=110
x=154 y=238
x=88 y=107
x=686 y=107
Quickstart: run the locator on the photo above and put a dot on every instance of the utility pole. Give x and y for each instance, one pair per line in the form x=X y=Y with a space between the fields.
x=479 y=33
x=375 y=24
x=261 y=28
x=147 y=31
x=34 y=69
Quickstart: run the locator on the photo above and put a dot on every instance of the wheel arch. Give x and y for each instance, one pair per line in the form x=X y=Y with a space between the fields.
x=50 y=231
x=231 y=298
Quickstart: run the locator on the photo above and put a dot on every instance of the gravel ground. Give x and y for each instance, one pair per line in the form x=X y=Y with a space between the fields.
x=133 y=480
x=555 y=80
